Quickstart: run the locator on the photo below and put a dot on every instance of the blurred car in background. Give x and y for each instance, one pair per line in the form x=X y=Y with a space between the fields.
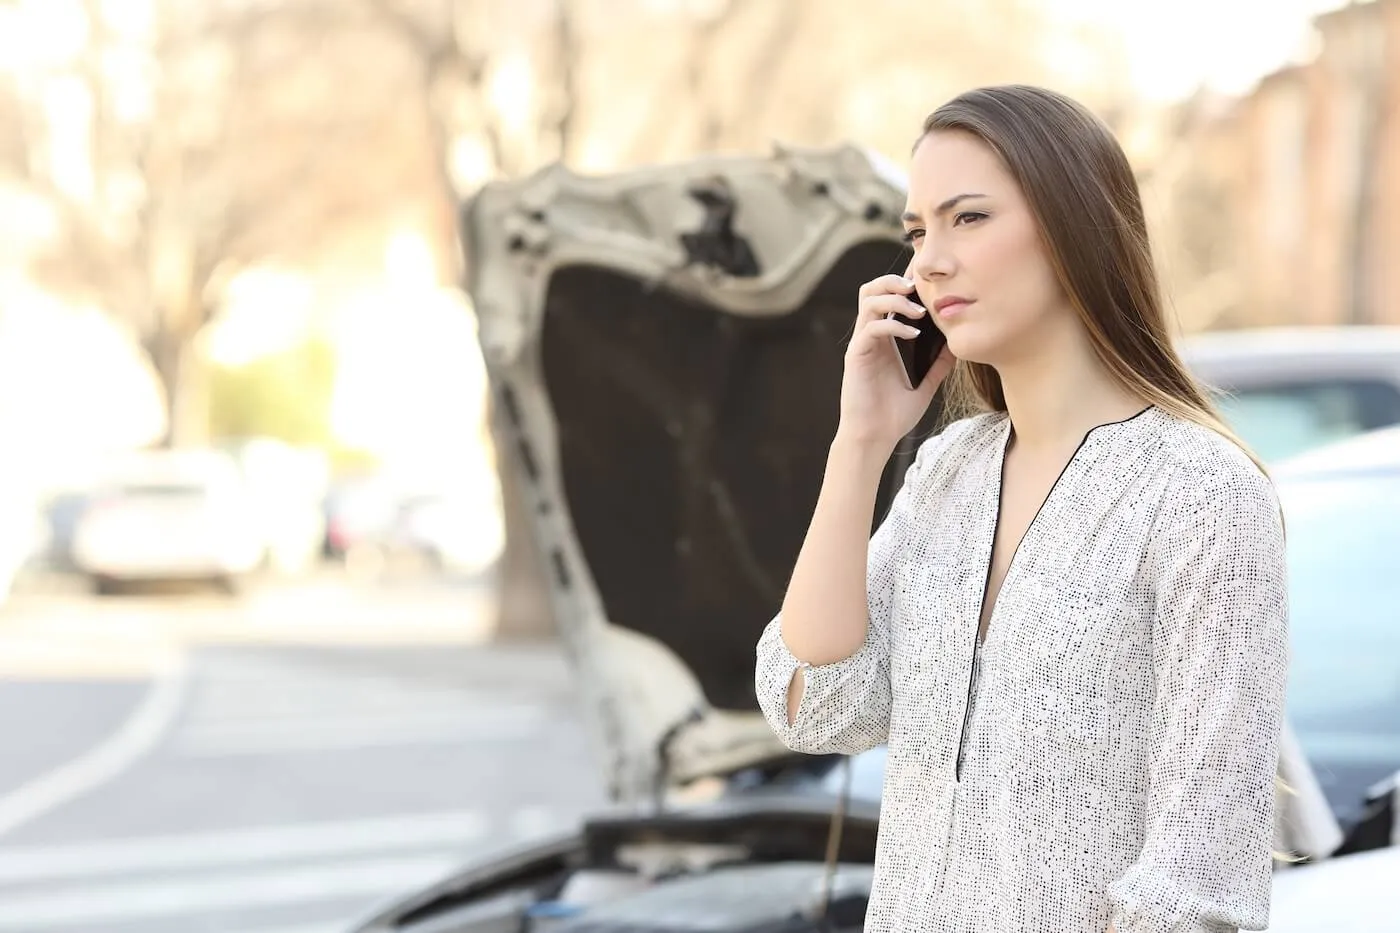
x=24 y=535
x=374 y=523
x=358 y=511
x=664 y=348
x=62 y=512
x=167 y=516
x=285 y=486
x=1286 y=390
x=1342 y=506
x=447 y=531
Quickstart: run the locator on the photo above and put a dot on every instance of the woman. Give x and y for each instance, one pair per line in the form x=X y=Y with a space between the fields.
x=1070 y=627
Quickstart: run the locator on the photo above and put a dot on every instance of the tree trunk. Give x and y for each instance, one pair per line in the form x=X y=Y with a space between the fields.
x=182 y=380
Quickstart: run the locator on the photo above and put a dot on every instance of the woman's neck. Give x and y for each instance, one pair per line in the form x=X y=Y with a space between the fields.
x=1055 y=398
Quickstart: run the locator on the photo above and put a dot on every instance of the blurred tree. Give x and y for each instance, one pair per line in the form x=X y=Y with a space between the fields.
x=1371 y=78
x=466 y=78
x=1187 y=174
x=741 y=74
x=286 y=395
x=497 y=87
x=182 y=148
x=510 y=85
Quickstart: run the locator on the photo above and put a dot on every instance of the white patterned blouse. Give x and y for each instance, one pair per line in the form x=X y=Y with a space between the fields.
x=1114 y=761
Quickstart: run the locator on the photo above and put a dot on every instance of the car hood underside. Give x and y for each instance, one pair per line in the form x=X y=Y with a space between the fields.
x=665 y=350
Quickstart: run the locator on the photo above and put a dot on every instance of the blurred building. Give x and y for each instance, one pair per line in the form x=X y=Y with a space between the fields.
x=1287 y=200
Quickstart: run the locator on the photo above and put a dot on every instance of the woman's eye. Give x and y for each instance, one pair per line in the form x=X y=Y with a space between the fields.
x=911 y=235
x=966 y=217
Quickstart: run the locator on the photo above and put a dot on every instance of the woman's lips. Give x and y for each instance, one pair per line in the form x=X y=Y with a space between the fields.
x=951 y=307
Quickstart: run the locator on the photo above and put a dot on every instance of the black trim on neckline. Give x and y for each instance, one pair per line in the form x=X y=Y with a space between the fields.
x=1011 y=426
x=1109 y=424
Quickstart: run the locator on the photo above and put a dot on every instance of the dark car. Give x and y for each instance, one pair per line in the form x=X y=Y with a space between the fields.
x=665 y=350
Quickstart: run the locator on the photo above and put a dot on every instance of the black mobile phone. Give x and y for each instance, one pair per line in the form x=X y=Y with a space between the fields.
x=918 y=353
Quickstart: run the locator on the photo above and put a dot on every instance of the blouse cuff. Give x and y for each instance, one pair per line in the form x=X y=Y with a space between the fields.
x=818 y=680
x=1146 y=901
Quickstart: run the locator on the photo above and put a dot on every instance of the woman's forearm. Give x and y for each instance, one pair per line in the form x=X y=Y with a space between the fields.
x=824 y=615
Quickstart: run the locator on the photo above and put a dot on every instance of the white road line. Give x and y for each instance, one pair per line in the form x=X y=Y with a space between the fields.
x=270 y=701
x=328 y=733
x=130 y=901
x=104 y=761
x=187 y=851
x=203 y=715
x=528 y=822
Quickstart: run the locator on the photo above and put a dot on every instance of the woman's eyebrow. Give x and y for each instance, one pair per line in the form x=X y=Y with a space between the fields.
x=945 y=207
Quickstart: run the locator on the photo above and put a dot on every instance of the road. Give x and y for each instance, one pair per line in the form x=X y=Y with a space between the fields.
x=279 y=763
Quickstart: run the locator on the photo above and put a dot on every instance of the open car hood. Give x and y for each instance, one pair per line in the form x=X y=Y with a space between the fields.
x=664 y=348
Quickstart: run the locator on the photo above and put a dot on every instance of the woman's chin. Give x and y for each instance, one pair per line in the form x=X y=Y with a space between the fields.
x=970 y=347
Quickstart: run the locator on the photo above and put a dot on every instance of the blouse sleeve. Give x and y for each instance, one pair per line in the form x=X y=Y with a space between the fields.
x=1220 y=655
x=845 y=705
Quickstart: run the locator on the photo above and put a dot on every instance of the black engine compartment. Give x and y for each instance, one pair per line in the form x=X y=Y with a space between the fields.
x=737 y=865
x=692 y=443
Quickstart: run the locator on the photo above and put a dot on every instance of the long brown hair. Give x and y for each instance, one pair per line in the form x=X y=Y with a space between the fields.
x=1084 y=196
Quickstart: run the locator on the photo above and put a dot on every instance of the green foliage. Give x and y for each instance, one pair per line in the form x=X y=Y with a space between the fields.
x=351 y=460
x=285 y=395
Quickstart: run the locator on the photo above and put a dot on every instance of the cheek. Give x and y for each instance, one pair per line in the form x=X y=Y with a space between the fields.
x=1020 y=275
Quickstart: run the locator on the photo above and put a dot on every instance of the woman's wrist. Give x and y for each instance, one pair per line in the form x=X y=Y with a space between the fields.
x=859 y=452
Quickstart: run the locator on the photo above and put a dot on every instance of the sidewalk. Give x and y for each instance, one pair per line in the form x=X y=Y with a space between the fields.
x=63 y=632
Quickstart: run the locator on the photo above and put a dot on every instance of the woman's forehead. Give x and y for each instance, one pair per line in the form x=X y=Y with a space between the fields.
x=947 y=164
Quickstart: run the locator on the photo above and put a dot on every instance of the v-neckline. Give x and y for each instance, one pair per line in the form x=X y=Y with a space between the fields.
x=997 y=488
x=980 y=643
x=989 y=552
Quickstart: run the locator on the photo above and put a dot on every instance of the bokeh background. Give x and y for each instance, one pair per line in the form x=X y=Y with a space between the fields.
x=228 y=228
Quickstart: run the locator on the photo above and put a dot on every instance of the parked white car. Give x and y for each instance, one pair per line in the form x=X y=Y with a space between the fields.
x=285 y=486
x=22 y=531
x=169 y=515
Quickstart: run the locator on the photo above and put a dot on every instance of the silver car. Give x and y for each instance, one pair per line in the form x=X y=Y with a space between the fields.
x=1291 y=389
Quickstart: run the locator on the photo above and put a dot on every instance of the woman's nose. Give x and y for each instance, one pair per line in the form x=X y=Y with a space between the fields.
x=930 y=262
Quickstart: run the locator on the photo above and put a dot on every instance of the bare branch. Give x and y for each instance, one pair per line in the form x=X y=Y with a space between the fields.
x=431 y=44
x=249 y=149
x=569 y=53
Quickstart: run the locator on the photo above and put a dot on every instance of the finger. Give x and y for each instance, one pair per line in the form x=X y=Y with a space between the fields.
x=878 y=306
x=879 y=331
x=887 y=285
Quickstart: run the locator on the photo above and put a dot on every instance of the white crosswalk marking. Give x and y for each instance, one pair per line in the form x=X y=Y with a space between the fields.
x=94 y=887
x=299 y=928
x=141 y=900
x=181 y=852
x=242 y=708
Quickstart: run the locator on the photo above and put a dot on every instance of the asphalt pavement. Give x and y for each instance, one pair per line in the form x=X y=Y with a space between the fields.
x=75 y=716
x=280 y=763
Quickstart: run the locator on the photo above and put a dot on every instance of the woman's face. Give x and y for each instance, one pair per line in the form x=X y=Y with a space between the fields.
x=974 y=239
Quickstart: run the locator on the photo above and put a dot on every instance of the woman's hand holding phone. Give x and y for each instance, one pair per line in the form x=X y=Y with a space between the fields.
x=877 y=404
